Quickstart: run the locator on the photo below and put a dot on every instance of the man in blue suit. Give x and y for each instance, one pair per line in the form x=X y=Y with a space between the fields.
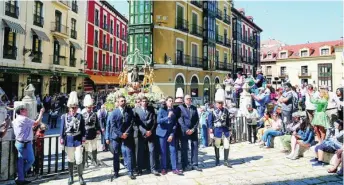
x=120 y=134
x=145 y=118
x=188 y=120
x=166 y=133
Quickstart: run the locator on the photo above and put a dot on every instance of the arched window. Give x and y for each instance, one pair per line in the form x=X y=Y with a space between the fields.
x=179 y=83
x=217 y=81
x=194 y=86
x=206 y=90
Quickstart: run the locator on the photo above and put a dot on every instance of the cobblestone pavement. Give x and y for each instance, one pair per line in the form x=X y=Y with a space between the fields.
x=251 y=165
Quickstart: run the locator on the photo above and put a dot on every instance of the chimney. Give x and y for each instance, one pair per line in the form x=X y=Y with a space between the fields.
x=250 y=18
x=242 y=11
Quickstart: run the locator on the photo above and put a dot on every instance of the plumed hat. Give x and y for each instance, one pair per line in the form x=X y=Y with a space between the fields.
x=73 y=99
x=88 y=101
x=220 y=95
x=179 y=93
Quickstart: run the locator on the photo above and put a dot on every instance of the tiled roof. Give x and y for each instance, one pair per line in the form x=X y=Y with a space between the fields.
x=270 y=46
x=314 y=48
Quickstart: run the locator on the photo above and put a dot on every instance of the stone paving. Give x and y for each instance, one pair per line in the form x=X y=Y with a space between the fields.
x=251 y=165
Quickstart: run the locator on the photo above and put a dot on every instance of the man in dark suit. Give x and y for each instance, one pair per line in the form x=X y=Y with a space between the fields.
x=146 y=120
x=188 y=120
x=120 y=133
x=166 y=133
x=136 y=133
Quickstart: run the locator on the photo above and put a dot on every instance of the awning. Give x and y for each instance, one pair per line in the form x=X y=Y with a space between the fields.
x=15 y=27
x=103 y=80
x=61 y=41
x=41 y=35
x=76 y=45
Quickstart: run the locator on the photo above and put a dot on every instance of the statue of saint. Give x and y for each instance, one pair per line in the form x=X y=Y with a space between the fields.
x=134 y=74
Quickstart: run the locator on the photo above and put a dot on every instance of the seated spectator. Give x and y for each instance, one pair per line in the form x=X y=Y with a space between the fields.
x=266 y=124
x=251 y=120
x=304 y=137
x=330 y=145
x=292 y=127
x=275 y=130
x=339 y=159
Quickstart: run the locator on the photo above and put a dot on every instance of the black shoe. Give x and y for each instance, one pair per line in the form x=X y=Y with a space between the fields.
x=196 y=168
x=115 y=176
x=139 y=172
x=154 y=172
x=226 y=153
x=132 y=176
x=70 y=170
x=80 y=170
x=228 y=164
x=94 y=158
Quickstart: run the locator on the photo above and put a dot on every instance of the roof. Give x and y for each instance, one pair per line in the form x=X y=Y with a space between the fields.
x=113 y=9
x=237 y=12
x=314 y=48
x=270 y=46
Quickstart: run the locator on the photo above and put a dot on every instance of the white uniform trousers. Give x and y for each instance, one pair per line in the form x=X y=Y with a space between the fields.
x=91 y=145
x=74 y=154
x=225 y=141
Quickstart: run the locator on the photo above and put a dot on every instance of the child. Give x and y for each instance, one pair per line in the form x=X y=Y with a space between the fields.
x=39 y=146
x=266 y=119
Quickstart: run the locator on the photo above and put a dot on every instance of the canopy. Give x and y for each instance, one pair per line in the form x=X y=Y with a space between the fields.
x=103 y=80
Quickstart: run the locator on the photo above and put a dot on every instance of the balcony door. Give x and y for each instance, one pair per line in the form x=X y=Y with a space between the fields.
x=180 y=16
x=194 y=54
x=58 y=20
x=180 y=52
x=194 y=23
x=56 y=52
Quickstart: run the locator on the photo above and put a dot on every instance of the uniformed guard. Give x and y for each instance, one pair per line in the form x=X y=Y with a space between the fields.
x=92 y=129
x=120 y=133
x=219 y=122
x=72 y=135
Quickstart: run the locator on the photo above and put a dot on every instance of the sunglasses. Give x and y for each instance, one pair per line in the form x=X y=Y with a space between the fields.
x=74 y=107
x=122 y=101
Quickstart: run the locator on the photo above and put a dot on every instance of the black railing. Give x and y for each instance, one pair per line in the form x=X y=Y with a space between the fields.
x=10 y=52
x=37 y=56
x=72 y=62
x=95 y=65
x=182 y=24
x=227 y=42
x=196 y=30
x=227 y=19
x=75 y=7
x=219 y=39
x=96 y=43
x=57 y=27
x=73 y=34
x=196 y=62
x=58 y=60
x=11 y=10
x=105 y=26
x=197 y=3
x=38 y=20
x=105 y=68
x=186 y=60
x=218 y=13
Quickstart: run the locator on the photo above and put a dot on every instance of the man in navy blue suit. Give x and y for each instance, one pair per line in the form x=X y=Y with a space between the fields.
x=188 y=120
x=145 y=118
x=166 y=133
x=120 y=133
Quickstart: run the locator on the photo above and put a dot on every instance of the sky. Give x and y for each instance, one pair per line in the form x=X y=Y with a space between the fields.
x=292 y=22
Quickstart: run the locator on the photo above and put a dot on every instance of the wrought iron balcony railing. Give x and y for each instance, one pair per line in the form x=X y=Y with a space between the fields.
x=75 y=7
x=11 y=10
x=218 y=13
x=219 y=39
x=95 y=65
x=60 y=28
x=186 y=60
x=10 y=52
x=196 y=30
x=58 y=60
x=38 y=20
x=227 y=42
x=73 y=34
x=72 y=62
x=37 y=56
x=227 y=19
x=182 y=24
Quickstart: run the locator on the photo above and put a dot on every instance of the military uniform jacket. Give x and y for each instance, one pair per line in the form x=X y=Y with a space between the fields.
x=146 y=120
x=72 y=129
x=219 y=121
x=91 y=125
x=121 y=123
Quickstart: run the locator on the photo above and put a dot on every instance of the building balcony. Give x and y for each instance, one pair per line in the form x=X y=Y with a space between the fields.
x=117 y=70
x=10 y=52
x=243 y=58
x=105 y=27
x=305 y=74
x=72 y=62
x=249 y=60
x=37 y=56
x=221 y=65
x=11 y=10
x=227 y=19
x=65 y=4
x=196 y=62
x=38 y=20
x=182 y=24
x=106 y=68
x=73 y=34
x=218 y=13
x=58 y=60
x=95 y=65
x=197 y=3
x=186 y=60
x=59 y=28
x=227 y=42
x=105 y=46
x=196 y=30
x=75 y=7
x=219 y=39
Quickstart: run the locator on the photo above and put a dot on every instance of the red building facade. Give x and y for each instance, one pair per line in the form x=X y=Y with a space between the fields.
x=106 y=45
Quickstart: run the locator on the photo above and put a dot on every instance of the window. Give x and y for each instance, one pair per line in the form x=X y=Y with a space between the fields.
x=283 y=71
x=96 y=18
x=12 y=9
x=111 y=44
x=36 y=49
x=123 y=34
x=269 y=56
x=117 y=65
x=75 y=6
x=325 y=51
x=103 y=63
x=73 y=29
x=325 y=75
x=95 y=61
x=56 y=56
x=140 y=12
x=38 y=19
x=104 y=22
x=304 y=53
x=304 y=70
x=96 y=38
x=111 y=27
x=269 y=70
x=117 y=30
x=283 y=54
x=104 y=42
x=268 y=80
x=117 y=47
x=72 y=56
x=10 y=49
x=58 y=16
x=110 y=64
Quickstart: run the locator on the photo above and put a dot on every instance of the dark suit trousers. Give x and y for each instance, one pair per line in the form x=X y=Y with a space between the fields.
x=194 y=149
x=126 y=153
x=143 y=144
x=164 y=153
